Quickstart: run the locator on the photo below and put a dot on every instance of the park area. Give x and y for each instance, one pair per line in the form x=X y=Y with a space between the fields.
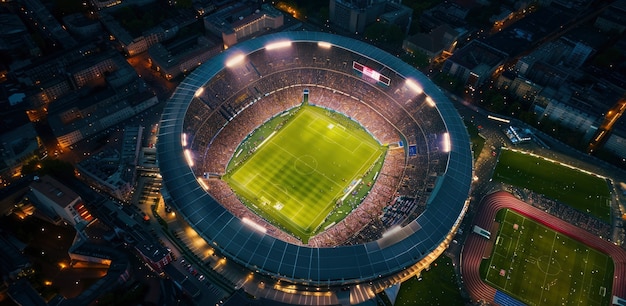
x=535 y=265
x=582 y=191
x=303 y=168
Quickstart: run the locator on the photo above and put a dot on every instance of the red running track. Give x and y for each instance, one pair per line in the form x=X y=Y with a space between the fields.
x=475 y=245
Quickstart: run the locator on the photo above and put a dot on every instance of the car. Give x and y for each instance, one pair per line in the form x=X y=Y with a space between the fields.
x=201 y=277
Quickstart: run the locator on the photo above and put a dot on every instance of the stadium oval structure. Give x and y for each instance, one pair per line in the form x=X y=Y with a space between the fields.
x=375 y=264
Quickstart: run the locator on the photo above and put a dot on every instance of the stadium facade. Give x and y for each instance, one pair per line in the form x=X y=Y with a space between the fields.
x=435 y=141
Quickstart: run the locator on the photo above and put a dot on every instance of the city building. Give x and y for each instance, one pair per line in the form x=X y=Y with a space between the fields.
x=616 y=142
x=474 y=64
x=15 y=41
x=13 y=262
x=580 y=108
x=59 y=201
x=40 y=18
x=441 y=39
x=519 y=86
x=182 y=56
x=82 y=26
x=17 y=147
x=613 y=18
x=112 y=170
x=240 y=21
x=156 y=256
x=135 y=45
x=81 y=116
x=355 y=15
x=96 y=67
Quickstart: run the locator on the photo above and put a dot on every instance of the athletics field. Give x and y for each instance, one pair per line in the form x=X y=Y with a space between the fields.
x=298 y=173
x=538 y=266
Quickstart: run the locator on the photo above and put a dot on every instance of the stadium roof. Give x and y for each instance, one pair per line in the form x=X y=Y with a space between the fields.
x=330 y=265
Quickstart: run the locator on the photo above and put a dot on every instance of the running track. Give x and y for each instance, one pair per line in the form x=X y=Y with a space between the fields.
x=475 y=245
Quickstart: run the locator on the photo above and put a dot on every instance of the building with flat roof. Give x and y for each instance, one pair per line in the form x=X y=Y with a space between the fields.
x=182 y=56
x=474 y=63
x=112 y=170
x=239 y=21
x=613 y=18
x=156 y=256
x=59 y=200
x=354 y=16
x=17 y=147
x=440 y=39
x=81 y=116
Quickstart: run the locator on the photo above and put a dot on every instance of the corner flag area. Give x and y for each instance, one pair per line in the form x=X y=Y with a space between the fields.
x=297 y=175
x=535 y=265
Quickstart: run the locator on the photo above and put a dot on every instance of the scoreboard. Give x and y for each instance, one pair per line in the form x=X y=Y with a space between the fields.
x=371 y=73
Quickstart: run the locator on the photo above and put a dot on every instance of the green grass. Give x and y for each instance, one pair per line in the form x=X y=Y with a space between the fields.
x=477 y=141
x=437 y=286
x=580 y=190
x=543 y=267
x=297 y=172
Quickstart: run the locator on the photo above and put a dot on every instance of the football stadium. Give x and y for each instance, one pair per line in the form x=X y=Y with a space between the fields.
x=318 y=169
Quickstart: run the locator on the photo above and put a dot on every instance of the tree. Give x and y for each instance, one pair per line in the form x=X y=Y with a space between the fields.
x=54 y=167
x=183 y=3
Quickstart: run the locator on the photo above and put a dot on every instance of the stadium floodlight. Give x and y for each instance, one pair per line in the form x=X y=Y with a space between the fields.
x=414 y=86
x=183 y=139
x=278 y=45
x=199 y=91
x=430 y=101
x=188 y=157
x=323 y=44
x=446 y=142
x=235 y=60
x=396 y=228
x=202 y=183
x=254 y=225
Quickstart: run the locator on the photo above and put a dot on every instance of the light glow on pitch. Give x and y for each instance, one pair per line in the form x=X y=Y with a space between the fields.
x=183 y=139
x=235 y=60
x=189 y=158
x=278 y=45
x=414 y=86
x=254 y=225
x=323 y=44
x=199 y=91
x=446 y=142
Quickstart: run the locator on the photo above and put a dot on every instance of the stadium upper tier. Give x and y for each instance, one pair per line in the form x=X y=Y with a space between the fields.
x=259 y=78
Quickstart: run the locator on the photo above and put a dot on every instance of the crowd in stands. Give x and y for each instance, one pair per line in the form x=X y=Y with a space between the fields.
x=238 y=100
x=571 y=215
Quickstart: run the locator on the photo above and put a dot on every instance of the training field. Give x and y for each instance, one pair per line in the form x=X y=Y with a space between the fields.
x=539 y=266
x=580 y=190
x=297 y=174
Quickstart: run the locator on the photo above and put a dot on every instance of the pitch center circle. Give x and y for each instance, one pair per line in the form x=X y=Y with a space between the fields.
x=548 y=265
x=305 y=164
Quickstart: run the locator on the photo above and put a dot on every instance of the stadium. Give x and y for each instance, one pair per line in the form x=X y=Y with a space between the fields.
x=409 y=214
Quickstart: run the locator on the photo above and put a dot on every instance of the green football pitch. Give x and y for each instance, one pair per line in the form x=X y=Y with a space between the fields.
x=539 y=266
x=300 y=171
x=582 y=191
